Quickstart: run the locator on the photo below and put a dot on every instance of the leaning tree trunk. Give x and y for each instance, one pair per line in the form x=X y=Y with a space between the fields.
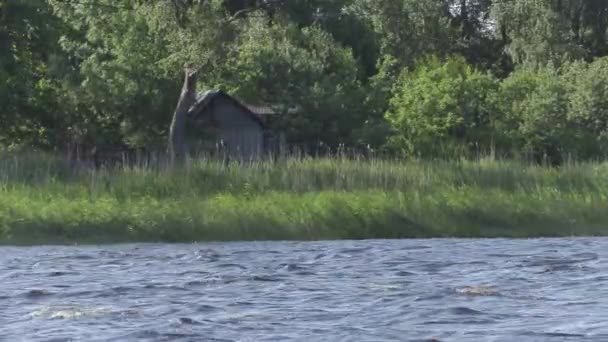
x=177 y=144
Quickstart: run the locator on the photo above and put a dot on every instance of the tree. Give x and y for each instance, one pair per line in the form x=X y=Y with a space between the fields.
x=587 y=89
x=303 y=72
x=533 y=105
x=408 y=29
x=129 y=58
x=440 y=107
x=177 y=144
x=543 y=31
x=121 y=87
x=29 y=109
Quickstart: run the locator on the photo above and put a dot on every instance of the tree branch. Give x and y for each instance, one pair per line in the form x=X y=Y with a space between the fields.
x=241 y=13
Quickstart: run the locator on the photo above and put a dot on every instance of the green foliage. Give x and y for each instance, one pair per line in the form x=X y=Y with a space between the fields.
x=29 y=109
x=555 y=114
x=439 y=105
x=537 y=30
x=533 y=105
x=408 y=29
x=124 y=93
x=302 y=69
x=545 y=31
x=44 y=201
x=587 y=85
x=108 y=73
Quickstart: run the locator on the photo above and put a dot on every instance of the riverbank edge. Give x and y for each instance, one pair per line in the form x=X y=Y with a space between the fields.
x=27 y=219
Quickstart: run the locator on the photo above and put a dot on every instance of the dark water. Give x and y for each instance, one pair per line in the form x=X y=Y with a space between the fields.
x=413 y=290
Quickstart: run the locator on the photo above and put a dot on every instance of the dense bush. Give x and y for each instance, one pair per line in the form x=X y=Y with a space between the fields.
x=441 y=106
x=532 y=106
x=587 y=86
x=544 y=114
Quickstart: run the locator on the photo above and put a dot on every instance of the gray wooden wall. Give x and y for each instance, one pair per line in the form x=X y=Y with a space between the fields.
x=243 y=135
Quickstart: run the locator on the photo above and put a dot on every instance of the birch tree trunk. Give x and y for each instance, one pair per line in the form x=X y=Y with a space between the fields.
x=177 y=143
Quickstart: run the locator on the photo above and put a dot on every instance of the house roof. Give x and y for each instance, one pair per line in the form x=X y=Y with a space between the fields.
x=275 y=109
x=204 y=99
x=260 y=109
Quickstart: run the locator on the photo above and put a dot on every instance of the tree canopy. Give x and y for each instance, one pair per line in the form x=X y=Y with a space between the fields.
x=516 y=77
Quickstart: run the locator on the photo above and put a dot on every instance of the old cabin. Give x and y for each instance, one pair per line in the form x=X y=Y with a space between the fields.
x=242 y=131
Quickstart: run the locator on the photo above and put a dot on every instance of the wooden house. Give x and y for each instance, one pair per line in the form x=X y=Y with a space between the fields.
x=242 y=131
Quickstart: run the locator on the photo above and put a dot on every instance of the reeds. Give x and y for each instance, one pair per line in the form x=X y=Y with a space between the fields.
x=45 y=200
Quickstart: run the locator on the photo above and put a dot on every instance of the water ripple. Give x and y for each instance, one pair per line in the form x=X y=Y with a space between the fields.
x=377 y=290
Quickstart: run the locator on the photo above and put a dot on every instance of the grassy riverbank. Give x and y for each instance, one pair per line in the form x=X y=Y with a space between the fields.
x=44 y=201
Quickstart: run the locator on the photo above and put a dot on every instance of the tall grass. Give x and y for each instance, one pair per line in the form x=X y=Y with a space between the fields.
x=44 y=200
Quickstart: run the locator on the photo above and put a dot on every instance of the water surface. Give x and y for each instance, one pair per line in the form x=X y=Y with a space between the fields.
x=408 y=290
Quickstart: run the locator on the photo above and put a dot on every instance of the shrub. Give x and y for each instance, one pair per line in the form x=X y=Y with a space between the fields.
x=442 y=106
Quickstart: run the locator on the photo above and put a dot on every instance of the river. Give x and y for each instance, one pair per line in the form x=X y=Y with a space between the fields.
x=395 y=290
